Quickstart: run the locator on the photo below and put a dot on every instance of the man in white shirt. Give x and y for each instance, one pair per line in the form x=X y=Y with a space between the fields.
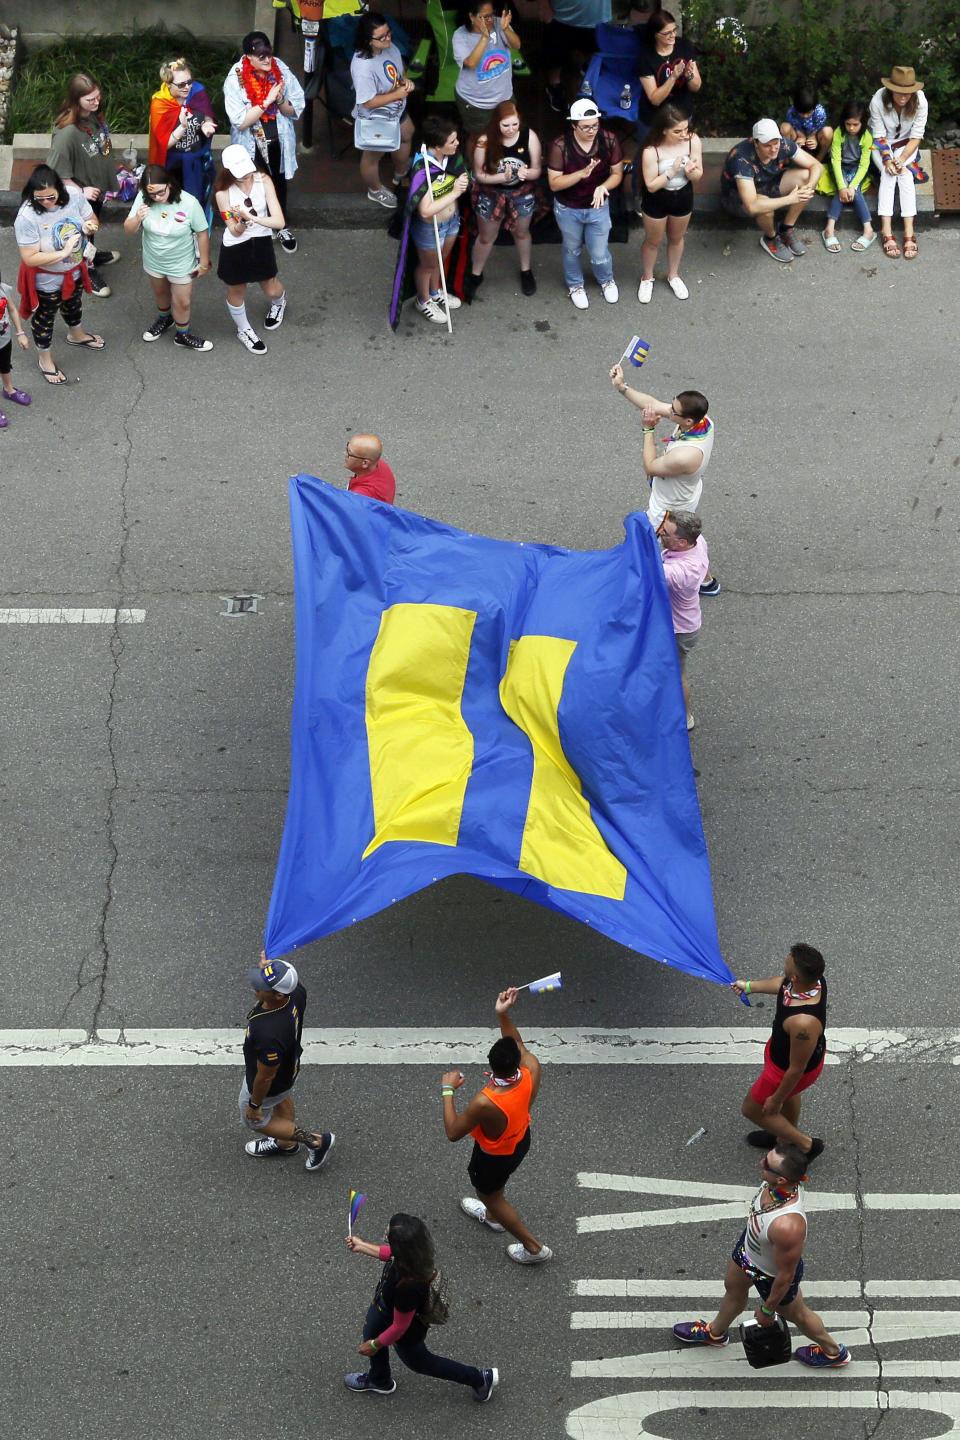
x=676 y=476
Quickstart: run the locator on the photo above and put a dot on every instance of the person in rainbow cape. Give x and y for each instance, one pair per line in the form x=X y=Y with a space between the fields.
x=431 y=227
x=182 y=126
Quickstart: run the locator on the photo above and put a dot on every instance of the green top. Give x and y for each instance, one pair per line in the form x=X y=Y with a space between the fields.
x=836 y=149
x=84 y=153
x=168 y=244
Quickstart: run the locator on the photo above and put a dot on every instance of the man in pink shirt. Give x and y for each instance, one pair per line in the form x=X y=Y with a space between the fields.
x=369 y=472
x=685 y=563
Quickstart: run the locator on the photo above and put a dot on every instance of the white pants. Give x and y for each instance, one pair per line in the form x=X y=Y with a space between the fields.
x=889 y=184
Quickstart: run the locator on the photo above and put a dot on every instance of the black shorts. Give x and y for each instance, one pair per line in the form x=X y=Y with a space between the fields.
x=489 y=1173
x=247 y=263
x=662 y=204
x=561 y=42
x=762 y=1283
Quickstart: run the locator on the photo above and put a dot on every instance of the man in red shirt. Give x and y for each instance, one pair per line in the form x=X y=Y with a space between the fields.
x=369 y=472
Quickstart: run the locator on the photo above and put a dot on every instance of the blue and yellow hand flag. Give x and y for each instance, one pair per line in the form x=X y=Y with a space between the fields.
x=637 y=351
x=510 y=711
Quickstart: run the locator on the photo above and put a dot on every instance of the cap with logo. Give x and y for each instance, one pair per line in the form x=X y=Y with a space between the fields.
x=273 y=975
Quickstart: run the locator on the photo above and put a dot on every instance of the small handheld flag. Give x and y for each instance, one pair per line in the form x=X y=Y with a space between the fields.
x=357 y=1202
x=540 y=987
x=636 y=352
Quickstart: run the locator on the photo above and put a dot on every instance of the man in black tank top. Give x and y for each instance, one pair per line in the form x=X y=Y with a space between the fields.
x=794 y=1054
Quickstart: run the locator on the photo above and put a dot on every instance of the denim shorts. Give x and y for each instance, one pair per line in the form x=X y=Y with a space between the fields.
x=421 y=231
x=522 y=205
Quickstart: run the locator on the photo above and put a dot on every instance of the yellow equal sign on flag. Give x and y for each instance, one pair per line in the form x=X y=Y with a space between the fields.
x=561 y=844
x=421 y=751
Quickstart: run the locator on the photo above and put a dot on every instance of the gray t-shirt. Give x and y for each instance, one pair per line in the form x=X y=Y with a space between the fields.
x=376 y=76
x=49 y=231
x=492 y=81
x=850 y=153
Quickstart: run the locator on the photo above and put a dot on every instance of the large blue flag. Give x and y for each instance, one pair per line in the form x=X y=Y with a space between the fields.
x=511 y=711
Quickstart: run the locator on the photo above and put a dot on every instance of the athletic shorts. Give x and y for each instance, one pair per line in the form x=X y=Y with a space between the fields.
x=474 y=118
x=762 y=1282
x=489 y=1173
x=686 y=639
x=771 y=1075
x=266 y=1106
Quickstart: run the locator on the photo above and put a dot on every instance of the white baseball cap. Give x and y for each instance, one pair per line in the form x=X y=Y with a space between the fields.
x=765 y=131
x=584 y=110
x=237 y=161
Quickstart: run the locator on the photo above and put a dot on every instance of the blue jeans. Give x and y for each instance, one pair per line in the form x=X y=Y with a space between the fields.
x=859 y=203
x=579 y=228
x=412 y=1350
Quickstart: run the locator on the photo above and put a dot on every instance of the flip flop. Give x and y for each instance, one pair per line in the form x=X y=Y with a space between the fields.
x=92 y=342
x=831 y=243
x=53 y=377
x=860 y=244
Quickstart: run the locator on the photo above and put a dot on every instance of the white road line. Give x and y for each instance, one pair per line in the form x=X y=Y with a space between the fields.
x=66 y=615
x=414 y=1045
x=631 y=1289
x=889 y=1326
x=689 y=1366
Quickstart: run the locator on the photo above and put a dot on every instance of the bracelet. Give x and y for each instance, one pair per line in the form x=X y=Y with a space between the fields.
x=649 y=429
x=374 y=1346
x=765 y=1311
x=749 y=987
x=447 y=1090
x=254 y=1104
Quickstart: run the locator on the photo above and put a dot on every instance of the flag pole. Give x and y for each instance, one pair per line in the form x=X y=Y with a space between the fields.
x=436 y=239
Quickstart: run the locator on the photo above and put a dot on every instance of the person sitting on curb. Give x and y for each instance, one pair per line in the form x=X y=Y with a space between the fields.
x=763 y=175
x=806 y=123
x=846 y=177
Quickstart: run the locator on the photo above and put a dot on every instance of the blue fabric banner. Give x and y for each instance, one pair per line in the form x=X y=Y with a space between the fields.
x=510 y=711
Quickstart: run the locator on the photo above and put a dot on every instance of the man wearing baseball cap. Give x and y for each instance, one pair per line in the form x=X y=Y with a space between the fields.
x=271 y=1058
x=766 y=176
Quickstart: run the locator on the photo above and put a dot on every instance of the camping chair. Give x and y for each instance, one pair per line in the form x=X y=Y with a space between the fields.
x=613 y=66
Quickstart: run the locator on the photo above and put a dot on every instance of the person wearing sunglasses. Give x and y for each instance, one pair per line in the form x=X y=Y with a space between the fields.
x=247 y=200
x=369 y=472
x=769 y=1257
x=263 y=99
x=182 y=127
x=176 y=251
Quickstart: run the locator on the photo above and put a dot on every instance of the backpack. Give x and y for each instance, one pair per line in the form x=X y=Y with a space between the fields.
x=437 y=1309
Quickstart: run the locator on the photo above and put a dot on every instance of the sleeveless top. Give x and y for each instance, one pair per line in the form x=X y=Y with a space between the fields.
x=757 y=1245
x=704 y=442
x=237 y=200
x=512 y=158
x=515 y=1104
x=676 y=182
x=780 y=1040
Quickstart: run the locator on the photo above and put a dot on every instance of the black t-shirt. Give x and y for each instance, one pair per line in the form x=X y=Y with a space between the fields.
x=401 y=1292
x=273 y=1038
x=661 y=68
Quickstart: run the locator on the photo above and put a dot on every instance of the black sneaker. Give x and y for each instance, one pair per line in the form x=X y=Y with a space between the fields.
x=712 y=587
x=288 y=240
x=817 y=1148
x=106 y=257
x=266 y=1148
x=491 y=1378
x=555 y=97
x=188 y=341
x=317 y=1155
x=275 y=314
x=527 y=283
x=361 y=1384
x=160 y=326
x=760 y=1139
x=99 y=289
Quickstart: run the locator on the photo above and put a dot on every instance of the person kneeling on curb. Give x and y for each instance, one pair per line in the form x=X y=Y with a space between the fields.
x=766 y=174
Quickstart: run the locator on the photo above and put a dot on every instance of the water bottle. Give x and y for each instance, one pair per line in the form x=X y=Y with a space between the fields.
x=130 y=155
x=586 y=89
x=626 y=99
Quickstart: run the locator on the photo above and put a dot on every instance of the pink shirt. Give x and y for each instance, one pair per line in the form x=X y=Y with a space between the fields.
x=685 y=571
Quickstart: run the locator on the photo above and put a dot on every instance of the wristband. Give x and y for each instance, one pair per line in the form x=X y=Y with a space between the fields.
x=254 y=1104
x=765 y=1311
x=447 y=1090
x=374 y=1346
x=649 y=429
x=749 y=987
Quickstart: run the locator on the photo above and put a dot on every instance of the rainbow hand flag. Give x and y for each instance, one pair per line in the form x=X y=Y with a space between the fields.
x=357 y=1202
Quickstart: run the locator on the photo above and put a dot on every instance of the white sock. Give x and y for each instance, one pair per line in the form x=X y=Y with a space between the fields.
x=239 y=314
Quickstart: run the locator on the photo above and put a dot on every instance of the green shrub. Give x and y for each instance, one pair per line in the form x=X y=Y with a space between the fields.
x=841 y=56
x=125 y=66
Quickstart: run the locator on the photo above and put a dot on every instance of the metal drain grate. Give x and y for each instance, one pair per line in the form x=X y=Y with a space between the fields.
x=946 y=179
x=241 y=605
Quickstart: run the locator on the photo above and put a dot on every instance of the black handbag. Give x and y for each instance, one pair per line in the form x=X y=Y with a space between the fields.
x=766 y=1345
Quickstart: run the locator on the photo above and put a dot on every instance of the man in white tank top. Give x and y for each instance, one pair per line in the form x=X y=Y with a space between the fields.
x=676 y=476
x=769 y=1256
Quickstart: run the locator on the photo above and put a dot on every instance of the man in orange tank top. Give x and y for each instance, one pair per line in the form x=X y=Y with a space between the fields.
x=498 y=1118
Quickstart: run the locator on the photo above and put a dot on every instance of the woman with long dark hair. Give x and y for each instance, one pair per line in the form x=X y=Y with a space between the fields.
x=403 y=1308
x=80 y=152
x=381 y=91
x=671 y=159
x=507 y=163
x=176 y=251
x=898 y=119
x=669 y=75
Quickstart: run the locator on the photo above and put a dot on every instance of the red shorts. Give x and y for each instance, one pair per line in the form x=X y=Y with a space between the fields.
x=768 y=1081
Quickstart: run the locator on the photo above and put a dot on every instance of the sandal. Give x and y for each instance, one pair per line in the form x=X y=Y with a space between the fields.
x=910 y=248
x=53 y=377
x=890 y=248
x=831 y=243
x=863 y=242
x=92 y=342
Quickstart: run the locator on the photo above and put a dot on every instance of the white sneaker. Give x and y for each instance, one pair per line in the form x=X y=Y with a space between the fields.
x=430 y=310
x=383 y=197
x=478 y=1211
x=524 y=1257
x=645 y=292
x=690 y=721
x=452 y=302
x=610 y=292
x=579 y=297
x=251 y=341
x=678 y=288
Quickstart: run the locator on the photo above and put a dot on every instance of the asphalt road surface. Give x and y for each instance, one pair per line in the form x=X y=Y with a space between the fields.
x=157 y=1282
